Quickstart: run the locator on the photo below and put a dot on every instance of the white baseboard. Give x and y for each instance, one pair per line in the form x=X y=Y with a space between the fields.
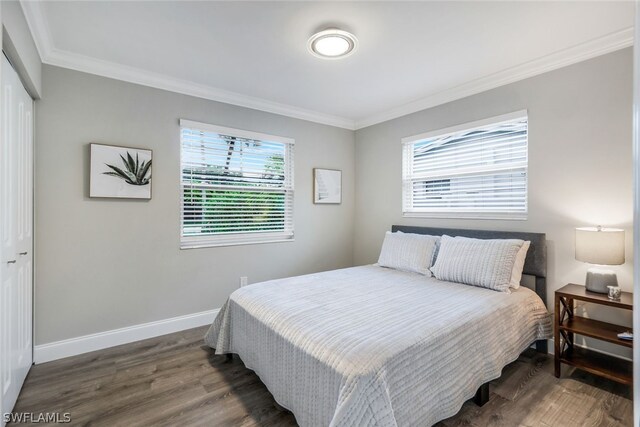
x=87 y=343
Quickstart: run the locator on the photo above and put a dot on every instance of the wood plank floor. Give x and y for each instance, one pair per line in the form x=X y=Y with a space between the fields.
x=175 y=380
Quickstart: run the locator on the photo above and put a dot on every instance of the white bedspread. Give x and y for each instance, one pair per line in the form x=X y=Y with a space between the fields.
x=369 y=346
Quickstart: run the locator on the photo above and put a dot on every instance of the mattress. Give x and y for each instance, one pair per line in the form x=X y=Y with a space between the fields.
x=371 y=346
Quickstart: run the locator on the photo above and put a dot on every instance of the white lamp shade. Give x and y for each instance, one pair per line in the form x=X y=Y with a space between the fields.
x=604 y=246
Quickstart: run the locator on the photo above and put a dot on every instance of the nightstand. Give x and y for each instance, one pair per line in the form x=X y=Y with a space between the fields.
x=567 y=324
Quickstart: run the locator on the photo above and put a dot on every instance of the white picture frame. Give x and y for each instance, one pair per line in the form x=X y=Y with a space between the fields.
x=119 y=172
x=327 y=186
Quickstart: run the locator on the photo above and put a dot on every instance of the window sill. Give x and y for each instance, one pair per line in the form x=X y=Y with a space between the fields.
x=455 y=215
x=199 y=244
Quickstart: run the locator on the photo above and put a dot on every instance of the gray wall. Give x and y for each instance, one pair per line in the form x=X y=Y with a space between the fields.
x=580 y=164
x=20 y=47
x=106 y=264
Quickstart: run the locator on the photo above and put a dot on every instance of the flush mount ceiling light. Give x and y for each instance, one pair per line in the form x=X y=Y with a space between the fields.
x=332 y=44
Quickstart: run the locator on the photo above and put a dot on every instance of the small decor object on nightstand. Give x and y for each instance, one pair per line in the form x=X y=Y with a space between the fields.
x=603 y=246
x=614 y=292
x=120 y=172
x=327 y=186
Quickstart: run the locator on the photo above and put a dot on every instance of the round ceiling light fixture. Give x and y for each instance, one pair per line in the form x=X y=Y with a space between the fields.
x=332 y=44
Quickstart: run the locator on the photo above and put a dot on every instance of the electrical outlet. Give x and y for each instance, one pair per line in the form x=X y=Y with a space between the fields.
x=243 y=281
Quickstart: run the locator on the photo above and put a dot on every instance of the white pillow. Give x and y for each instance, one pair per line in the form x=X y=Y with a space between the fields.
x=477 y=262
x=408 y=252
x=518 y=265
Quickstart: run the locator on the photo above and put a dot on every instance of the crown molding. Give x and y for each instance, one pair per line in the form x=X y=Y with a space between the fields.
x=159 y=81
x=559 y=59
x=49 y=54
x=38 y=26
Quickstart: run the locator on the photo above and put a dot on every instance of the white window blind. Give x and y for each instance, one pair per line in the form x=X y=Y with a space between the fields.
x=237 y=186
x=478 y=170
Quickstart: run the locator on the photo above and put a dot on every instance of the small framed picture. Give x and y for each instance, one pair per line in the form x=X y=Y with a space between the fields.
x=121 y=172
x=327 y=186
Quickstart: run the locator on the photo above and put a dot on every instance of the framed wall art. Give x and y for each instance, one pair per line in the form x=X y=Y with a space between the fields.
x=327 y=186
x=120 y=172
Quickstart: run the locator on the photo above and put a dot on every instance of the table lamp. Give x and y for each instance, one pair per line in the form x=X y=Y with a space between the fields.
x=602 y=246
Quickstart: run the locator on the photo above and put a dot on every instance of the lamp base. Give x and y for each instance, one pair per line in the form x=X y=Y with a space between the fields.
x=598 y=279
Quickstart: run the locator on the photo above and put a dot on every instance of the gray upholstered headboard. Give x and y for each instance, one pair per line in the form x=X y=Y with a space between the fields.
x=535 y=264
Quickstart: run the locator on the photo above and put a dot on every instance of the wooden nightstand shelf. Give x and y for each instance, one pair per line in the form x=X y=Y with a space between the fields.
x=566 y=325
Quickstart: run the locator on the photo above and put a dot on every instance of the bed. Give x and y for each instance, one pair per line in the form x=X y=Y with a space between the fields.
x=375 y=346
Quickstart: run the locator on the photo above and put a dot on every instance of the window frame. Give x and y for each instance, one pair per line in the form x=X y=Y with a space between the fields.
x=241 y=238
x=440 y=133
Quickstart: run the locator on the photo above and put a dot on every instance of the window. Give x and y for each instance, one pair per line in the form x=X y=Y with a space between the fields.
x=237 y=186
x=477 y=170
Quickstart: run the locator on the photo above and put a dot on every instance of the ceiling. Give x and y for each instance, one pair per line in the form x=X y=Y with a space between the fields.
x=411 y=55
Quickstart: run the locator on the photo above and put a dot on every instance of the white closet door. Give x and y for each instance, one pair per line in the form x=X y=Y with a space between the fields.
x=16 y=236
